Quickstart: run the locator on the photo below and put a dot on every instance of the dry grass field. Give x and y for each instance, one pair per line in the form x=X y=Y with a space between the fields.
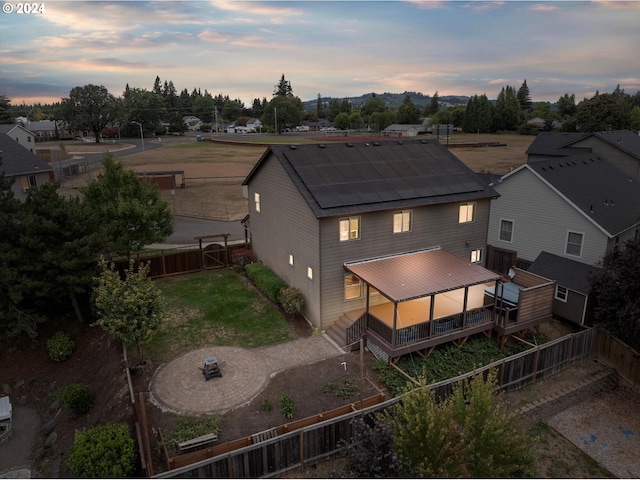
x=213 y=172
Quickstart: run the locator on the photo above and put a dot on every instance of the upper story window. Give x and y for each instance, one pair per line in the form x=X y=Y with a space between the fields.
x=349 y=228
x=402 y=221
x=29 y=139
x=467 y=212
x=256 y=199
x=506 y=230
x=574 y=244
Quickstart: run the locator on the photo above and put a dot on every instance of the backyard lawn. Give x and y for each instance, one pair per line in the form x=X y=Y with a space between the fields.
x=214 y=307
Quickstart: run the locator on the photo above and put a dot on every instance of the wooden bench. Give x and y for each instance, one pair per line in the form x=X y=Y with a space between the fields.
x=198 y=442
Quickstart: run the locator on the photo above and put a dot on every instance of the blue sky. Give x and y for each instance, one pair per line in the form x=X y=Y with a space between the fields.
x=338 y=49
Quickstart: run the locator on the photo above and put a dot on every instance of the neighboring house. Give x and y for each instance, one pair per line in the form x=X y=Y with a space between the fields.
x=383 y=237
x=193 y=123
x=48 y=130
x=24 y=167
x=577 y=207
x=21 y=135
x=572 y=298
x=254 y=125
x=401 y=130
x=619 y=147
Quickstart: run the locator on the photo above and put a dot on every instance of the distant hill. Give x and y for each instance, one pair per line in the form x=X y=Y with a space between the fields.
x=393 y=100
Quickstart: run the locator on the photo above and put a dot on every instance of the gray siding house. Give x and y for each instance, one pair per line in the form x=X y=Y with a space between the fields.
x=576 y=207
x=357 y=226
x=24 y=167
x=21 y=135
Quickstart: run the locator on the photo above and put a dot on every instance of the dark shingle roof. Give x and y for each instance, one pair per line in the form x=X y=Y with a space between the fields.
x=596 y=187
x=17 y=160
x=566 y=272
x=338 y=179
x=624 y=140
x=554 y=143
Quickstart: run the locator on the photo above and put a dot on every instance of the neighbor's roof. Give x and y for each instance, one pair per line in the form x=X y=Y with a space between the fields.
x=555 y=144
x=566 y=272
x=17 y=160
x=624 y=140
x=418 y=274
x=8 y=127
x=595 y=187
x=346 y=178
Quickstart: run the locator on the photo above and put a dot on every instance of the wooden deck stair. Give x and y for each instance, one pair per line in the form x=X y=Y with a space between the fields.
x=338 y=331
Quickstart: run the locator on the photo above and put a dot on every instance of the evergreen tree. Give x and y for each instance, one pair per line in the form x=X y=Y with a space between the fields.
x=157 y=86
x=524 y=97
x=433 y=106
x=507 y=110
x=408 y=113
x=319 y=107
x=478 y=116
x=5 y=110
x=283 y=88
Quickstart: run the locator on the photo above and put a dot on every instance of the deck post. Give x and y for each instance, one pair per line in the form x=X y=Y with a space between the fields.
x=395 y=319
x=431 y=307
x=464 y=306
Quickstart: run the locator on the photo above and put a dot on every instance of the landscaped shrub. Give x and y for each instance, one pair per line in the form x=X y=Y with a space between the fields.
x=287 y=406
x=105 y=451
x=265 y=280
x=76 y=397
x=60 y=346
x=291 y=300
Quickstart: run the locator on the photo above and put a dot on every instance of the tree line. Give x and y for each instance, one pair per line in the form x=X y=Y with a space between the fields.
x=94 y=108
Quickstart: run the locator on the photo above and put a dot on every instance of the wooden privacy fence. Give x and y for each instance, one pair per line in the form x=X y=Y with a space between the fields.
x=618 y=355
x=178 y=261
x=310 y=443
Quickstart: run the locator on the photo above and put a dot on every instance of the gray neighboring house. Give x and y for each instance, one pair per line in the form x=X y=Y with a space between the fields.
x=576 y=207
x=402 y=130
x=20 y=134
x=27 y=169
x=572 y=298
x=619 y=147
x=395 y=226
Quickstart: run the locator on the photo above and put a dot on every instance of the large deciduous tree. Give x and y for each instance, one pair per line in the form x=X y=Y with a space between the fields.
x=91 y=108
x=130 y=210
x=283 y=112
x=143 y=107
x=129 y=308
x=603 y=112
x=616 y=290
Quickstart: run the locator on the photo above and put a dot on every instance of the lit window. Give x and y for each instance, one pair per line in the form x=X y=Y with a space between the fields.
x=349 y=228
x=467 y=212
x=352 y=287
x=310 y=273
x=506 y=230
x=291 y=260
x=402 y=221
x=476 y=255
x=561 y=293
x=574 y=244
x=256 y=199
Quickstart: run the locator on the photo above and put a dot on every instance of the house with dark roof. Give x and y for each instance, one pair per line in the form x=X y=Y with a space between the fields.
x=619 y=147
x=572 y=298
x=27 y=169
x=386 y=238
x=576 y=207
x=20 y=134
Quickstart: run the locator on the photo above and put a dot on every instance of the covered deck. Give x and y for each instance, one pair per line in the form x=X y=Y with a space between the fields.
x=431 y=297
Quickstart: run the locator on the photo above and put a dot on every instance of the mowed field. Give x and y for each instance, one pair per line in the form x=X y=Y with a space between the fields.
x=214 y=172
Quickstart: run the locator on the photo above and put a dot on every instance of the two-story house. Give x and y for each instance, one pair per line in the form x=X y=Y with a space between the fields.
x=27 y=169
x=21 y=135
x=395 y=226
x=574 y=208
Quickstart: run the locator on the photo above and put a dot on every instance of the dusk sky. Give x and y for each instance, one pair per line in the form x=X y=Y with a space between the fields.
x=337 y=49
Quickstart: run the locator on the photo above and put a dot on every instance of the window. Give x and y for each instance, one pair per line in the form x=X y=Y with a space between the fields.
x=29 y=139
x=352 y=287
x=574 y=244
x=476 y=255
x=402 y=221
x=506 y=230
x=349 y=228
x=310 y=273
x=561 y=293
x=467 y=212
x=291 y=260
x=256 y=199
x=32 y=181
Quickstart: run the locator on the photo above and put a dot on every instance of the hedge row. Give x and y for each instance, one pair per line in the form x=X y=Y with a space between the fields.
x=276 y=289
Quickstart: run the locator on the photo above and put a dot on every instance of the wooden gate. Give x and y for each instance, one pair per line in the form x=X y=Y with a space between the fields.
x=215 y=256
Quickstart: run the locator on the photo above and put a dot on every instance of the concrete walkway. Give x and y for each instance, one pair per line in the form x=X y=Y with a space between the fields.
x=180 y=387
